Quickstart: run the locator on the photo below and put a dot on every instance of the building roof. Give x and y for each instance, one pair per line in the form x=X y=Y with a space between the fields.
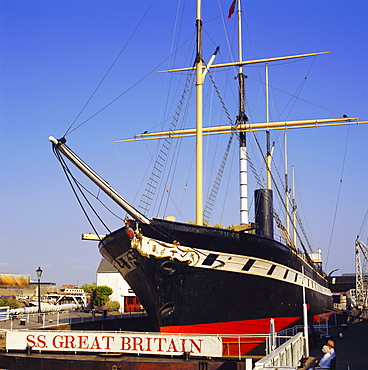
x=106 y=266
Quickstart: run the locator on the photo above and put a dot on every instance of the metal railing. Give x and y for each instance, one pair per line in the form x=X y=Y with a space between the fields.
x=30 y=321
x=330 y=320
x=288 y=354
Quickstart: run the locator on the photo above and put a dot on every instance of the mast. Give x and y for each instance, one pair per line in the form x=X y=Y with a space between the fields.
x=293 y=206
x=287 y=196
x=268 y=136
x=199 y=124
x=242 y=118
x=264 y=197
x=256 y=126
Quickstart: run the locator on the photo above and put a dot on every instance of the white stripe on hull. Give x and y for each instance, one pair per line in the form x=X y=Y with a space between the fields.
x=220 y=261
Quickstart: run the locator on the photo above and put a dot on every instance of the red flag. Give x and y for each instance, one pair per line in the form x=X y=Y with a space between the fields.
x=232 y=9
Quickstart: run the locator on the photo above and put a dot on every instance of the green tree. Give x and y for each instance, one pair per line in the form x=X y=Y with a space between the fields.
x=89 y=288
x=100 y=295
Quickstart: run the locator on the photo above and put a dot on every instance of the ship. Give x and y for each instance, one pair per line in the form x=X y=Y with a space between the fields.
x=192 y=278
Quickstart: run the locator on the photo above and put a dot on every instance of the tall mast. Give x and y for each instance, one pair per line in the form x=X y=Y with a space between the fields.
x=293 y=206
x=242 y=118
x=268 y=155
x=287 y=196
x=199 y=124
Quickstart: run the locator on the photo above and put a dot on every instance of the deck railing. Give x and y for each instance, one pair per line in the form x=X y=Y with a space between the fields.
x=288 y=354
x=330 y=320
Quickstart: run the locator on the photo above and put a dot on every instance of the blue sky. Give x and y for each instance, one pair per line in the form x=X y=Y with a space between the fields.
x=55 y=53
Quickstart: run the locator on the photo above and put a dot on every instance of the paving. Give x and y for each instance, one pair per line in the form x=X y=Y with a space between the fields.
x=351 y=350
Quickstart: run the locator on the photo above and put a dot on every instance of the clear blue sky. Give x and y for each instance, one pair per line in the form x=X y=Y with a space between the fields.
x=54 y=54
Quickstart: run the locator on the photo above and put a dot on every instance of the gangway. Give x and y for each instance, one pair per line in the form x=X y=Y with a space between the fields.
x=76 y=296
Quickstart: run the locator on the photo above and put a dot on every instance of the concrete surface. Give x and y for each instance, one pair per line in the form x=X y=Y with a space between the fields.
x=352 y=349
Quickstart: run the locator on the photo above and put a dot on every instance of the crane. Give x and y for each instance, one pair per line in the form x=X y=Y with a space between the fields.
x=361 y=274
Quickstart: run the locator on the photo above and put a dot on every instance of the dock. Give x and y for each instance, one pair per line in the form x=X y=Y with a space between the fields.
x=350 y=346
x=351 y=350
x=101 y=362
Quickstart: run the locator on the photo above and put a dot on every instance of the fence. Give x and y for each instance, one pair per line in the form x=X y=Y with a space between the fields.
x=31 y=320
x=329 y=320
x=288 y=354
x=4 y=313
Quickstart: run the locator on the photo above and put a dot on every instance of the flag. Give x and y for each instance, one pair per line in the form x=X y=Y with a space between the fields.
x=232 y=9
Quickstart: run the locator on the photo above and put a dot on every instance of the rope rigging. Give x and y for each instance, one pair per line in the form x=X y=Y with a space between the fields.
x=277 y=218
x=338 y=195
x=153 y=70
x=104 y=77
x=216 y=185
x=163 y=152
x=72 y=180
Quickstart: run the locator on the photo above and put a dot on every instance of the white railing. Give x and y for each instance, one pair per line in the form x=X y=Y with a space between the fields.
x=327 y=321
x=4 y=313
x=288 y=354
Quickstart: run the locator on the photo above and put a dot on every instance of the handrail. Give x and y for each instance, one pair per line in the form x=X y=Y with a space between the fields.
x=289 y=353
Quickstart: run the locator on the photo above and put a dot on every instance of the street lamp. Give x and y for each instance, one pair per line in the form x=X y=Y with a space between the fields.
x=39 y=273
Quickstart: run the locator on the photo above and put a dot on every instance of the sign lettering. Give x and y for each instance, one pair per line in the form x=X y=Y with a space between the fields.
x=138 y=343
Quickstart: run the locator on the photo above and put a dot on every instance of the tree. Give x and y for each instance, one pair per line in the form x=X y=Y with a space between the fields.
x=89 y=288
x=100 y=295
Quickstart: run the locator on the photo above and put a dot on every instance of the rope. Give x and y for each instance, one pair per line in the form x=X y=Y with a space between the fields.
x=159 y=166
x=216 y=185
x=338 y=196
x=108 y=71
x=277 y=219
x=70 y=177
x=69 y=131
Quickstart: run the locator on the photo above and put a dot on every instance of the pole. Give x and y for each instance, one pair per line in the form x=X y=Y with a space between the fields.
x=286 y=188
x=241 y=119
x=199 y=127
x=272 y=335
x=305 y=318
x=39 y=300
x=294 y=208
x=269 y=156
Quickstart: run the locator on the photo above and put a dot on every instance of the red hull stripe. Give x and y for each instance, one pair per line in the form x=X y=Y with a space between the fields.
x=259 y=326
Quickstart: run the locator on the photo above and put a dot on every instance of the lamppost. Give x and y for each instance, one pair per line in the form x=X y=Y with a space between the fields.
x=39 y=273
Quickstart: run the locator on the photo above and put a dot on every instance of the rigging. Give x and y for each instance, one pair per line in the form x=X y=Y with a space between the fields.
x=69 y=130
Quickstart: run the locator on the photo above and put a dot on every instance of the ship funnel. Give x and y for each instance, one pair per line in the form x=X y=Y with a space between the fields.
x=263 y=212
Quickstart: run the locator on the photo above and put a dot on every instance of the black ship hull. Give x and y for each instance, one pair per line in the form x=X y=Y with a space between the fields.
x=195 y=279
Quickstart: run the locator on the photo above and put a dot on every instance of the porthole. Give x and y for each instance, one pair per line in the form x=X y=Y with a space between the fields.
x=167 y=309
x=168 y=268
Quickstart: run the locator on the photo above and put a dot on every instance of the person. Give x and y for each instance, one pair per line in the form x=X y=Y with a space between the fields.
x=325 y=361
x=331 y=345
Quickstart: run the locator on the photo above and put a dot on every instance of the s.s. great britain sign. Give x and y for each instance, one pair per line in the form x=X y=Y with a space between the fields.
x=122 y=342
